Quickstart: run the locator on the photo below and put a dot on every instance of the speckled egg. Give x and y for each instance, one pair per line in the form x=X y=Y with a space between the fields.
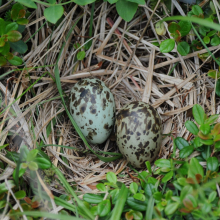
x=92 y=106
x=138 y=133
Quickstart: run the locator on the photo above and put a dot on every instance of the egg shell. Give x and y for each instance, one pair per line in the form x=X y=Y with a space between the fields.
x=92 y=106
x=138 y=133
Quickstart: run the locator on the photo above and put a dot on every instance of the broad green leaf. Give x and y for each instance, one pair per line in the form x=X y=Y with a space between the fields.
x=217 y=145
x=197 y=10
x=167 y=177
x=206 y=40
x=149 y=189
x=81 y=55
x=33 y=166
x=181 y=143
x=31 y=155
x=148 y=166
x=198 y=114
x=192 y=127
x=3 y=61
x=2 y=203
x=217 y=91
x=52 y=1
x=3 y=146
x=53 y=13
x=205 y=129
x=215 y=41
x=9 y=56
x=140 y=2
x=20 y=194
x=28 y=3
x=19 y=46
x=4 y=187
x=112 y=1
x=173 y=26
x=11 y=27
x=185 y=27
x=136 y=204
x=158 y=196
x=202 y=31
x=186 y=151
x=211 y=119
x=212 y=196
x=94 y=210
x=213 y=74
x=14 y=36
x=185 y=191
x=163 y=163
x=139 y=196
x=42 y=163
x=171 y=208
x=4 y=50
x=126 y=9
x=183 y=48
x=20 y=173
x=207 y=142
x=192 y=199
x=111 y=177
x=2 y=41
x=195 y=168
x=2 y=27
x=211 y=33
x=22 y=21
x=104 y=208
x=212 y=163
x=92 y=198
x=101 y=187
x=167 y=45
x=114 y=194
x=133 y=187
x=84 y=2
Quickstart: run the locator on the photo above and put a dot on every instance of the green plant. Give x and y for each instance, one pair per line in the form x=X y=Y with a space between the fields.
x=10 y=35
x=215 y=75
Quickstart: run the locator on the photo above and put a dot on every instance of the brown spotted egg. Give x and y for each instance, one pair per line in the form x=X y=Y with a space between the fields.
x=138 y=133
x=92 y=106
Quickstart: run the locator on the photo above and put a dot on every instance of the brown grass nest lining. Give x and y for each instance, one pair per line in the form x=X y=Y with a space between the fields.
x=144 y=77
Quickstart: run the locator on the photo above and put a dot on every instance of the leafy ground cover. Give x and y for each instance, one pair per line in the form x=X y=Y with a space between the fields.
x=165 y=50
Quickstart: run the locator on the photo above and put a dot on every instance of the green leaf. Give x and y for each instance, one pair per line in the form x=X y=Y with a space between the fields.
x=163 y=163
x=22 y=21
x=217 y=145
x=2 y=41
x=160 y=28
x=94 y=210
x=186 y=191
x=215 y=41
x=52 y=1
x=207 y=142
x=140 y=2
x=2 y=26
x=173 y=27
x=9 y=56
x=81 y=55
x=212 y=163
x=101 y=187
x=20 y=173
x=213 y=74
x=171 y=208
x=31 y=155
x=11 y=27
x=211 y=119
x=111 y=177
x=2 y=203
x=181 y=143
x=212 y=196
x=14 y=36
x=28 y=3
x=42 y=163
x=183 y=48
x=3 y=146
x=198 y=114
x=112 y=1
x=205 y=129
x=4 y=187
x=4 y=50
x=133 y=187
x=167 y=177
x=53 y=13
x=217 y=91
x=19 y=46
x=186 y=151
x=206 y=40
x=92 y=198
x=148 y=166
x=185 y=27
x=33 y=166
x=104 y=208
x=167 y=45
x=126 y=9
x=195 y=168
x=139 y=196
x=197 y=10
x=20 y=194
x=192 y=127
x=3 y=61
x=136 y=204
x=84 y=2
x=211 y=33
